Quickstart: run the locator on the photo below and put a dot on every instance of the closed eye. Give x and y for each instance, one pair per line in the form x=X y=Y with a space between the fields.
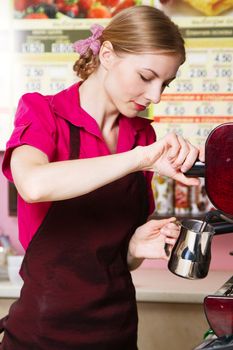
x=144 y=78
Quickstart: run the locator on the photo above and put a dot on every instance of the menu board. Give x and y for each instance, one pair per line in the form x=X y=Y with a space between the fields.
x=36 y=47
x=199 y=99
x=37 y=55
x=44 y=57
x=202 y=95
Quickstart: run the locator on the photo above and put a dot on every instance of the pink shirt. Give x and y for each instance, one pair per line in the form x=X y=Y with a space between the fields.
x=40 y=122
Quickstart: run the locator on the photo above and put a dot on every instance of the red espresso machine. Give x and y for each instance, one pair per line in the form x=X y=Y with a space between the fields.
x=219 y=313
x=218 y=174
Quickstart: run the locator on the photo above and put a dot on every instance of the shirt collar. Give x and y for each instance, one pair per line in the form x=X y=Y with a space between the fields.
x=66 y=104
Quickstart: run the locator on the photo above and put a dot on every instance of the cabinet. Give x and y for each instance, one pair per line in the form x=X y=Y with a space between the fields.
x=162 y=326
x=173 y=326
x=4 y=307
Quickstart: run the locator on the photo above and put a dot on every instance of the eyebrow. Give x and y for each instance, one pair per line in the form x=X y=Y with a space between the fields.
x=151 y=70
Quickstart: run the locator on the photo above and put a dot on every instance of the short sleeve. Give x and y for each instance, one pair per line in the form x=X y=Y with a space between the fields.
x=34 y=125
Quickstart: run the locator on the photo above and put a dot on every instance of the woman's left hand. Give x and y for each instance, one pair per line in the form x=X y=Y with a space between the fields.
x=148 y=241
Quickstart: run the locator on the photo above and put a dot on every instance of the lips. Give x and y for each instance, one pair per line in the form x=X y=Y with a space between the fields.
x=139 y=107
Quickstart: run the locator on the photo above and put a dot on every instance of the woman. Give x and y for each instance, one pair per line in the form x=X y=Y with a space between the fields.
x=82 y=162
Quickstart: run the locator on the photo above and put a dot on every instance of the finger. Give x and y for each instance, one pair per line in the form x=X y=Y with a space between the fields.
x=173 y=226
x=170 y=232
x=170 y=241
x=183 y=152
x=167 y=221
x=191 y=158
x=160 y=223
x=174 y=145
x=201 y=150
x=189 y=181
x=170 y=226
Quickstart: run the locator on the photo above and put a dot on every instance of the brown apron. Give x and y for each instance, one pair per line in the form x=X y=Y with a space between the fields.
x=78 y=293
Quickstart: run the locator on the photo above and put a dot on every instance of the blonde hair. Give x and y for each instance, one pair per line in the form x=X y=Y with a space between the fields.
x=135 y=30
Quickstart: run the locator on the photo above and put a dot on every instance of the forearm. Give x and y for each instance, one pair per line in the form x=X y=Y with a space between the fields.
x=67 y=179
x=133 y=259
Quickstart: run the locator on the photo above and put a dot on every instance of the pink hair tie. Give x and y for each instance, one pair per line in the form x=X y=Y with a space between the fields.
x=81 y=46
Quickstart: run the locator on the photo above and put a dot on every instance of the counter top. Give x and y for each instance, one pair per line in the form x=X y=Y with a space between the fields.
x=153 y=285
x=163 y=286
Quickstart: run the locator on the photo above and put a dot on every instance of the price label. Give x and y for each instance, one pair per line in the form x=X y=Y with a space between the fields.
x=33 y=86
x=33 y=72
x=56 y=86
x=210 y=86
x=61 y=48
x=223 y=72
x=207 y=109
x=176 y=129
x=221 y=57
x=174 y=110
x=184 y=86
x=198 y=72
x=203 y=131
x=33 y=47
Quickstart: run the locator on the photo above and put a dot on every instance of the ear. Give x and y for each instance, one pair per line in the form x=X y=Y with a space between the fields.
x=107 y=54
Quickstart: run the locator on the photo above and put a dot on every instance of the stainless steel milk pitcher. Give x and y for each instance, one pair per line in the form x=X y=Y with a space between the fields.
x=191 y=255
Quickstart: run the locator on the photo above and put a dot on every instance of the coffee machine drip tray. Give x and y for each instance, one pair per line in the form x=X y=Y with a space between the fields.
x=219 y=309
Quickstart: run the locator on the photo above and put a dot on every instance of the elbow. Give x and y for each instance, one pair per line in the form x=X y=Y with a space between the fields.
x=27 y=175
x=31 y=191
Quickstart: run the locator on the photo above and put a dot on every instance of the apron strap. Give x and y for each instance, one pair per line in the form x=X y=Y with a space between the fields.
x=74 y=141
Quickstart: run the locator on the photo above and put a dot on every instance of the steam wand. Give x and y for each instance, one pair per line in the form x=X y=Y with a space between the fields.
x=210 y=215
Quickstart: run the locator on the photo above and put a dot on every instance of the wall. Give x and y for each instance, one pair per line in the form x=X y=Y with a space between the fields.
x=221 y=246
x=8 y=224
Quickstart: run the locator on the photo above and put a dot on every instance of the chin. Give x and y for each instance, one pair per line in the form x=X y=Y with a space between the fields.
x=128 y=112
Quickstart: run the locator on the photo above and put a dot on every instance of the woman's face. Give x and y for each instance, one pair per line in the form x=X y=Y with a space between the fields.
x=133 y=81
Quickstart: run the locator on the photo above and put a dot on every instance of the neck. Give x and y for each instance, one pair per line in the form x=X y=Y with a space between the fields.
x=96 y=102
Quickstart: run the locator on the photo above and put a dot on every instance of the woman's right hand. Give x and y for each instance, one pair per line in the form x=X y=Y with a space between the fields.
x=171 y=156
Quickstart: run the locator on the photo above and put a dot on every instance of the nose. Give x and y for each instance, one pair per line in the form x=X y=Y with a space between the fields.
x=153 y=93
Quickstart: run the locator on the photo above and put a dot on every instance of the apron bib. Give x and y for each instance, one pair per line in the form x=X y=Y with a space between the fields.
x=78 y=292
